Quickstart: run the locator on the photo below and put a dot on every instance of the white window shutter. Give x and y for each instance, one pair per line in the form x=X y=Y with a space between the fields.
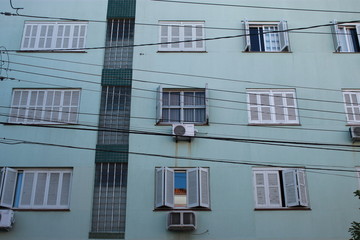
x=2 y=175
x=159 y=187
x=336 y=36
x=260 y=192
x=290 y=188
x=8 y=188
x=169 y=187
x=358 y=32
x=253 y=107
x=273 y=189
x=192 y=187
x=206 y=104
x=204 y=189
x=283 y=36
x=159 y=101
x=247 y=35
x=303 y=199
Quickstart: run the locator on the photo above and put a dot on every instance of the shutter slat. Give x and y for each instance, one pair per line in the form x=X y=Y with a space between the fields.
x=192 y=187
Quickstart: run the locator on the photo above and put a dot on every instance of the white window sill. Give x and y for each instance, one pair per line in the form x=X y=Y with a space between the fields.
x=52 y=51
x=284 y=209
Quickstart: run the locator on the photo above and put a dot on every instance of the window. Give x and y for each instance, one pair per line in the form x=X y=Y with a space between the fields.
x=352 y=106
x=182 y=36
x=280 y=188
x=266 y=37
x=109 y=202
x=35 y=188
x=45 y=106
x=182 y=106
x=182 y=188
x=54 y=35
x=272 y=106
x=346 y=37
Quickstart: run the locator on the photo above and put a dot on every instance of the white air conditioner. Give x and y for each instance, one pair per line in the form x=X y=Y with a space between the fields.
x=181 y=221
x=355 y=133
x=6 y=219
x=183 y=130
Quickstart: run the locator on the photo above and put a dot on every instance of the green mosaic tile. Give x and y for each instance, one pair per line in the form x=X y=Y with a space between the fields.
x=121 y=9
x=116 y=77
x=112 y=153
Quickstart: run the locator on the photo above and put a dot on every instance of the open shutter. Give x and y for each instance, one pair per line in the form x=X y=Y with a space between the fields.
x=8 y=188
x=159 y=102
x=358 y=33
x=284 y=36
x=290 y=188
x=192 y=181
x=169 y=187
x=2 y=175
x=336 y=36
x=247 y=35
x=303 y=199
x=206 y=104
x=204 y=190
x=159 y=187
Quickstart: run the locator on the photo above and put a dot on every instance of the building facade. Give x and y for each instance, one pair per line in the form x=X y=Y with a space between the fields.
x=163 y=119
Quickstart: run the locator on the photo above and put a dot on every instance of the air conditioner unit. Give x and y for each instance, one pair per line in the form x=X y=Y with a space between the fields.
x=181 y=221
x=183 y=130
x=355 y=133
x=6 y=219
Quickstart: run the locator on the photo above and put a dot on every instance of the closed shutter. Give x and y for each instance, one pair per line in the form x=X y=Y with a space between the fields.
x=8 y=187
x=246 y=28
x=260 y=189
x=273 y=188
x=284 y=36
x=352 y=106
x=336 y=36
x=253 y=107
x=303 y=199
x=189 y=36
x=206 y=104
x=290 y=188
x=199 y=34
x=279 y=107
x=27 y=186
x=164 y=36
x=265 y=108
x=204 y=190
x=291 y=107
x=159 y=101
x=192 y=182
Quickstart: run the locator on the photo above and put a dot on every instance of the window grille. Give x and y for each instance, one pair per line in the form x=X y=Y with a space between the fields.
x=119 y=43
x=109 y=201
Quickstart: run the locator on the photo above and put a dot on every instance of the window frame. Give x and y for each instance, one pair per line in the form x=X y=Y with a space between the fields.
x=33 y=38
x=290 y=195
x=197 y=185
x=281 y=32
x=165 y=36
x=17 y=188
x=285 y=107
x=160 y=106
x=27 y=112
x=355 y=108
x=338 y=33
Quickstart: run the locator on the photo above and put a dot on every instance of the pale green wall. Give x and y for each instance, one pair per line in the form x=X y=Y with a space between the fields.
x=311 y=63
x=56 y=225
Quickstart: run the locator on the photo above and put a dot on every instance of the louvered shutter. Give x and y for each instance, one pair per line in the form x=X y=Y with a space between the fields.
x=204 y=189
x=279 y=107
x=27 y=187
x=265 y=109
x=192 y=182
x=260 y=192
x=206 y=104
x=290 y=188
x=358 y=33
x=351 y=106
x=2 y=175
x=246 y=28
x=8 y=188
x=164 y=36
x=336 y=36
x=301 y=181
x=290 y=103
x=159 y=101
x=159 y=187
x=169 y=187
x=283 y=36
x=273 y=189
x=199 y=34
x=253 y=107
